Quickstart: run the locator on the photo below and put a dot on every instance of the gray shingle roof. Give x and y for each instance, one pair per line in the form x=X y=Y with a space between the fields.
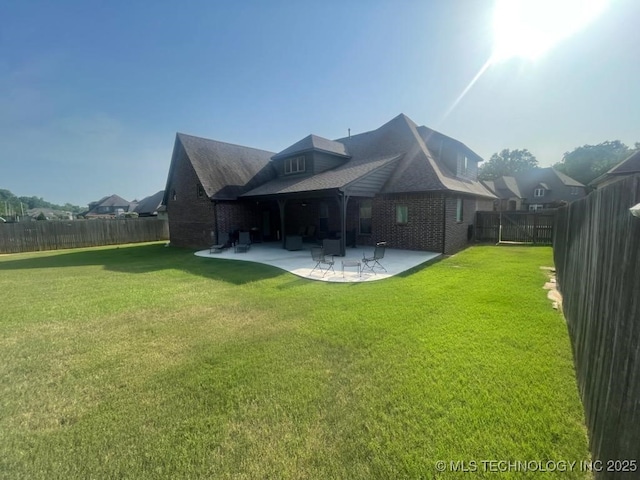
x=504 y=187
x=556 y=183
x=331 y=179
x=314 y=142
x=149 y=205
x=113 y=201
x=226 y=171
x=566 y=179
x=419 y=170
x=628 y=166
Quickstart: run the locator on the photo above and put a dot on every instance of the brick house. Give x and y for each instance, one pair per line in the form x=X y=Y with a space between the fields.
x=405 y=184
x=108 y=207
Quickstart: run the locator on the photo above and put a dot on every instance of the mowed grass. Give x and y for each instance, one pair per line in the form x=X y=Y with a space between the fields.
x=148 y=362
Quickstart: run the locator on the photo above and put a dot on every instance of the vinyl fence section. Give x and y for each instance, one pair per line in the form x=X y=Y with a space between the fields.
x=53 y=235
x=597 y=257
x=519 y=227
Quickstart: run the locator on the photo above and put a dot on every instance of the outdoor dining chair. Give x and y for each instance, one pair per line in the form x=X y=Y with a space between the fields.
x=223 y=242
x=373 y=261
x=318 y=256
x=244 y=242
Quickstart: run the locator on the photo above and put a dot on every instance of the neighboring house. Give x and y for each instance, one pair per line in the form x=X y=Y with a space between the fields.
x=49 y=214
x=108 y=207
x=536 y=189
x=508 y=193
x=408 y=185
x=148 y=206
x=629 y=166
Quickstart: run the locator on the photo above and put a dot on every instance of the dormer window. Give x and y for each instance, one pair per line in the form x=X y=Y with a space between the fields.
x=538 y=192
x=294 y=165
x=462 y=165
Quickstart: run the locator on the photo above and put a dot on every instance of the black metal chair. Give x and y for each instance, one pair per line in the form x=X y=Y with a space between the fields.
x=223 y=242
x=373 y=262
x=318 y=256
x=244 y=242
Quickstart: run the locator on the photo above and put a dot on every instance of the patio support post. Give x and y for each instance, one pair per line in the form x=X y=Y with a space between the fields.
x=215 y=222
x=281 y=205
x=343 y=200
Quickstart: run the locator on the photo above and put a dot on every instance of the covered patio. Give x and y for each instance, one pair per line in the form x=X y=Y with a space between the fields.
x=301 y=264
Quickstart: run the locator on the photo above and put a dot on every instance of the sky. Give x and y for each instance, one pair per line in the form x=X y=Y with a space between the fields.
x=92 y=93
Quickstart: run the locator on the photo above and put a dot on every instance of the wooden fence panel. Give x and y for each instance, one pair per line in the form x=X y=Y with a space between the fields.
x=597 y=257
x=519 y=227
x=54 y=235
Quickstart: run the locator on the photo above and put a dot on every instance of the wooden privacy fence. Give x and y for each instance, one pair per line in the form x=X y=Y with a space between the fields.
x=519 y=227
x=53 y=235
x=597 y=257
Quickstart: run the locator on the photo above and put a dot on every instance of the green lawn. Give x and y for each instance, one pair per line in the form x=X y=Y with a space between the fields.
x=148 y=362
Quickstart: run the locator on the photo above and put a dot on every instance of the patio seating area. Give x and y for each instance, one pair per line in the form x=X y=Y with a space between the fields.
x=301 y=263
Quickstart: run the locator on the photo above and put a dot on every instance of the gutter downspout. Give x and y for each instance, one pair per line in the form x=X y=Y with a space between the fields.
x=444 y=222
x=215 y=222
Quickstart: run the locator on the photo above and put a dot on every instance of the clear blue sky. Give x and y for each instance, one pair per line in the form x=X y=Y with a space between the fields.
x=92 y=93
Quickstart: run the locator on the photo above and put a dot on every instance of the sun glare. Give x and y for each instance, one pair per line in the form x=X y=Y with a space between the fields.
x=530 y=28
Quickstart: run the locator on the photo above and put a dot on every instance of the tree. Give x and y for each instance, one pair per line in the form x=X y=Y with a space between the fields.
x=507 y=162
x=588 y=162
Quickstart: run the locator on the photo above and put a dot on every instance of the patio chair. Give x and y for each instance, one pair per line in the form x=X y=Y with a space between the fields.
x=318 y=256
x=373 y=261
x=244 y=242
x=223 y=242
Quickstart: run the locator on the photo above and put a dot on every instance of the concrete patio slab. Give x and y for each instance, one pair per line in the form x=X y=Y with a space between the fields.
x=300 y=263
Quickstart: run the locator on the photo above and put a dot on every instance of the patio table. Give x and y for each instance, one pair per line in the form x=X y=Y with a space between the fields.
x=351 y=263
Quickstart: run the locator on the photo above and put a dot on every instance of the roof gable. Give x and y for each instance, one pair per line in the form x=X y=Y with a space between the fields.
x=421 y=169
x=311 y=143
x=150 y=204
x=224 y=170
x=627 y=167
x=630 y=165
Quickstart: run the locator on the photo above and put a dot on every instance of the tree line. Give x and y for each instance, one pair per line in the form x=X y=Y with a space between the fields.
x=583 y=164
x=12 y=204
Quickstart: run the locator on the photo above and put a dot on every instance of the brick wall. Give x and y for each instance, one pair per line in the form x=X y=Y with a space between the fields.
x=424 y=228
x=456 y=233
x=191 y=219
x=235 y=215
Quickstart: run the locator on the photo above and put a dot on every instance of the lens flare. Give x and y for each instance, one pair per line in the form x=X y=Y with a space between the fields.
x=530 y=28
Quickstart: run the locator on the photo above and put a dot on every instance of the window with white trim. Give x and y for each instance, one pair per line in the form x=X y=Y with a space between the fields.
x=575 y=190
x=535 y=207
x=538 y=192
x=294 y=165
x=402 y=214
x=459 y=209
